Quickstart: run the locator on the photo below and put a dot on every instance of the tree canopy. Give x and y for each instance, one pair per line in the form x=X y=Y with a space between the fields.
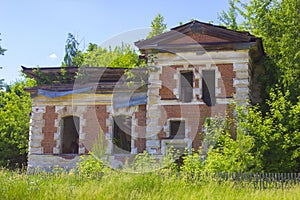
x=158 y=26
x=277 y=22
x=15 y=108
x=120 y=56
x=274 y=125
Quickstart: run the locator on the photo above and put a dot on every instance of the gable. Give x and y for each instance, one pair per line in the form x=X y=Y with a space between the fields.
x=195 y=33
x=197 y=38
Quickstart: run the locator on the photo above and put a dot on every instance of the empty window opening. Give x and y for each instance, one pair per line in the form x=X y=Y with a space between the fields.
x=177 y=129
x=122 y=134
x=186 y=86
x=208 y=84
x=70 y=136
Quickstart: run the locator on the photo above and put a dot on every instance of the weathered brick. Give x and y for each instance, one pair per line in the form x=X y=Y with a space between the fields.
x=49 y=129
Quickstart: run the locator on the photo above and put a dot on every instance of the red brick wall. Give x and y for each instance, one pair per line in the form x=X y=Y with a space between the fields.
x=140 y=142
x=226 y=81
x=168 y=82
x=49 y=129
x=95 y=118
x=194 y=115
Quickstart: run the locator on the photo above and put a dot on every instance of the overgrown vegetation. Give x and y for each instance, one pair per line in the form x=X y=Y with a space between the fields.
x=265 y=142
x=117 y=185
x=277 y=22
x=121 y=56
x=15 y=108
x=267 y=139
x=274 y=125
x=158 y=26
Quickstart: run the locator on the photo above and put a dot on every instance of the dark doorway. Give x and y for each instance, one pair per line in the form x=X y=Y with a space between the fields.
x=70 y=136
x=208 y=87
x=122 y=134
x=186 y=86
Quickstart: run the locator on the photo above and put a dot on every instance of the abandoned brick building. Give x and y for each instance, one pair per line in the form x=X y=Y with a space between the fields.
x=197 y=70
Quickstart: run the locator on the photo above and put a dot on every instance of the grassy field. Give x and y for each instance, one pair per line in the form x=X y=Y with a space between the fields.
x=120 y=185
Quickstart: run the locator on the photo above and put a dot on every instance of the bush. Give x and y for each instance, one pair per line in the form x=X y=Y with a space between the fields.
x=90 y=166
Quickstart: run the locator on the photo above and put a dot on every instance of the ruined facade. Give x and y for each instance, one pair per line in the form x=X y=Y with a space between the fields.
x=197 y=70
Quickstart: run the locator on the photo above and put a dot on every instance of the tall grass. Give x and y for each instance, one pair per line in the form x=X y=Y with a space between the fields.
x=120 y=185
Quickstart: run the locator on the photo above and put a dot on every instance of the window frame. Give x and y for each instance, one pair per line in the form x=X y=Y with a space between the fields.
x=182 y=94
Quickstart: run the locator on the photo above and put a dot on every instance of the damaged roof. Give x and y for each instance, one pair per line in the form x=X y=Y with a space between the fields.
x=52 y=80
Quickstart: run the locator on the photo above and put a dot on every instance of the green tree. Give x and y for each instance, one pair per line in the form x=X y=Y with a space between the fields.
x=158 y=26
x=226 y=154
x=15 y=108
x=267 y=142
x=229 y=18
x=120 y=56
x=92 y=47
x=276 y=133
x=73 y=56
x=274 y=124
x=277 y=22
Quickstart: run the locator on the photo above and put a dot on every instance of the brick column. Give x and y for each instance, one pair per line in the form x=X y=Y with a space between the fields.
x=49 y=130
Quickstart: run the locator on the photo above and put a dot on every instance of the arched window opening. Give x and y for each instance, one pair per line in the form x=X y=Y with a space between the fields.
x=70 y=135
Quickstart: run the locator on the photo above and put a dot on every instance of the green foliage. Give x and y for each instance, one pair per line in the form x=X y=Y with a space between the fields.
x=277 y=133
x=92 y=47
x=193 y=165
x=117 y=185
x=58 y=78
x=277 y=22
x=229 y=18
x=267 y=142
x=15 y=108
x=120 y=56
x=170 y=161
x=226 y=154
x=158 y=26
x=93 y=165
x=275 y=124
x=90 y=166
x=144 y=162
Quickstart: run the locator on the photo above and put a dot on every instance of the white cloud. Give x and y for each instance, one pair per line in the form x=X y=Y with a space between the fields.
x=53 y=56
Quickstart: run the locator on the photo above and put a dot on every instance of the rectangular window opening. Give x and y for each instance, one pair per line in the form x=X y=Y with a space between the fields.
x=70 y=135
x=208 y=87
x=122 y=135
x=177 y=129
x=186 y=86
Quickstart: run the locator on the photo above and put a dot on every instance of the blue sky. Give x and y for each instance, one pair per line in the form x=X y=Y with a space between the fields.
x=34 y=32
